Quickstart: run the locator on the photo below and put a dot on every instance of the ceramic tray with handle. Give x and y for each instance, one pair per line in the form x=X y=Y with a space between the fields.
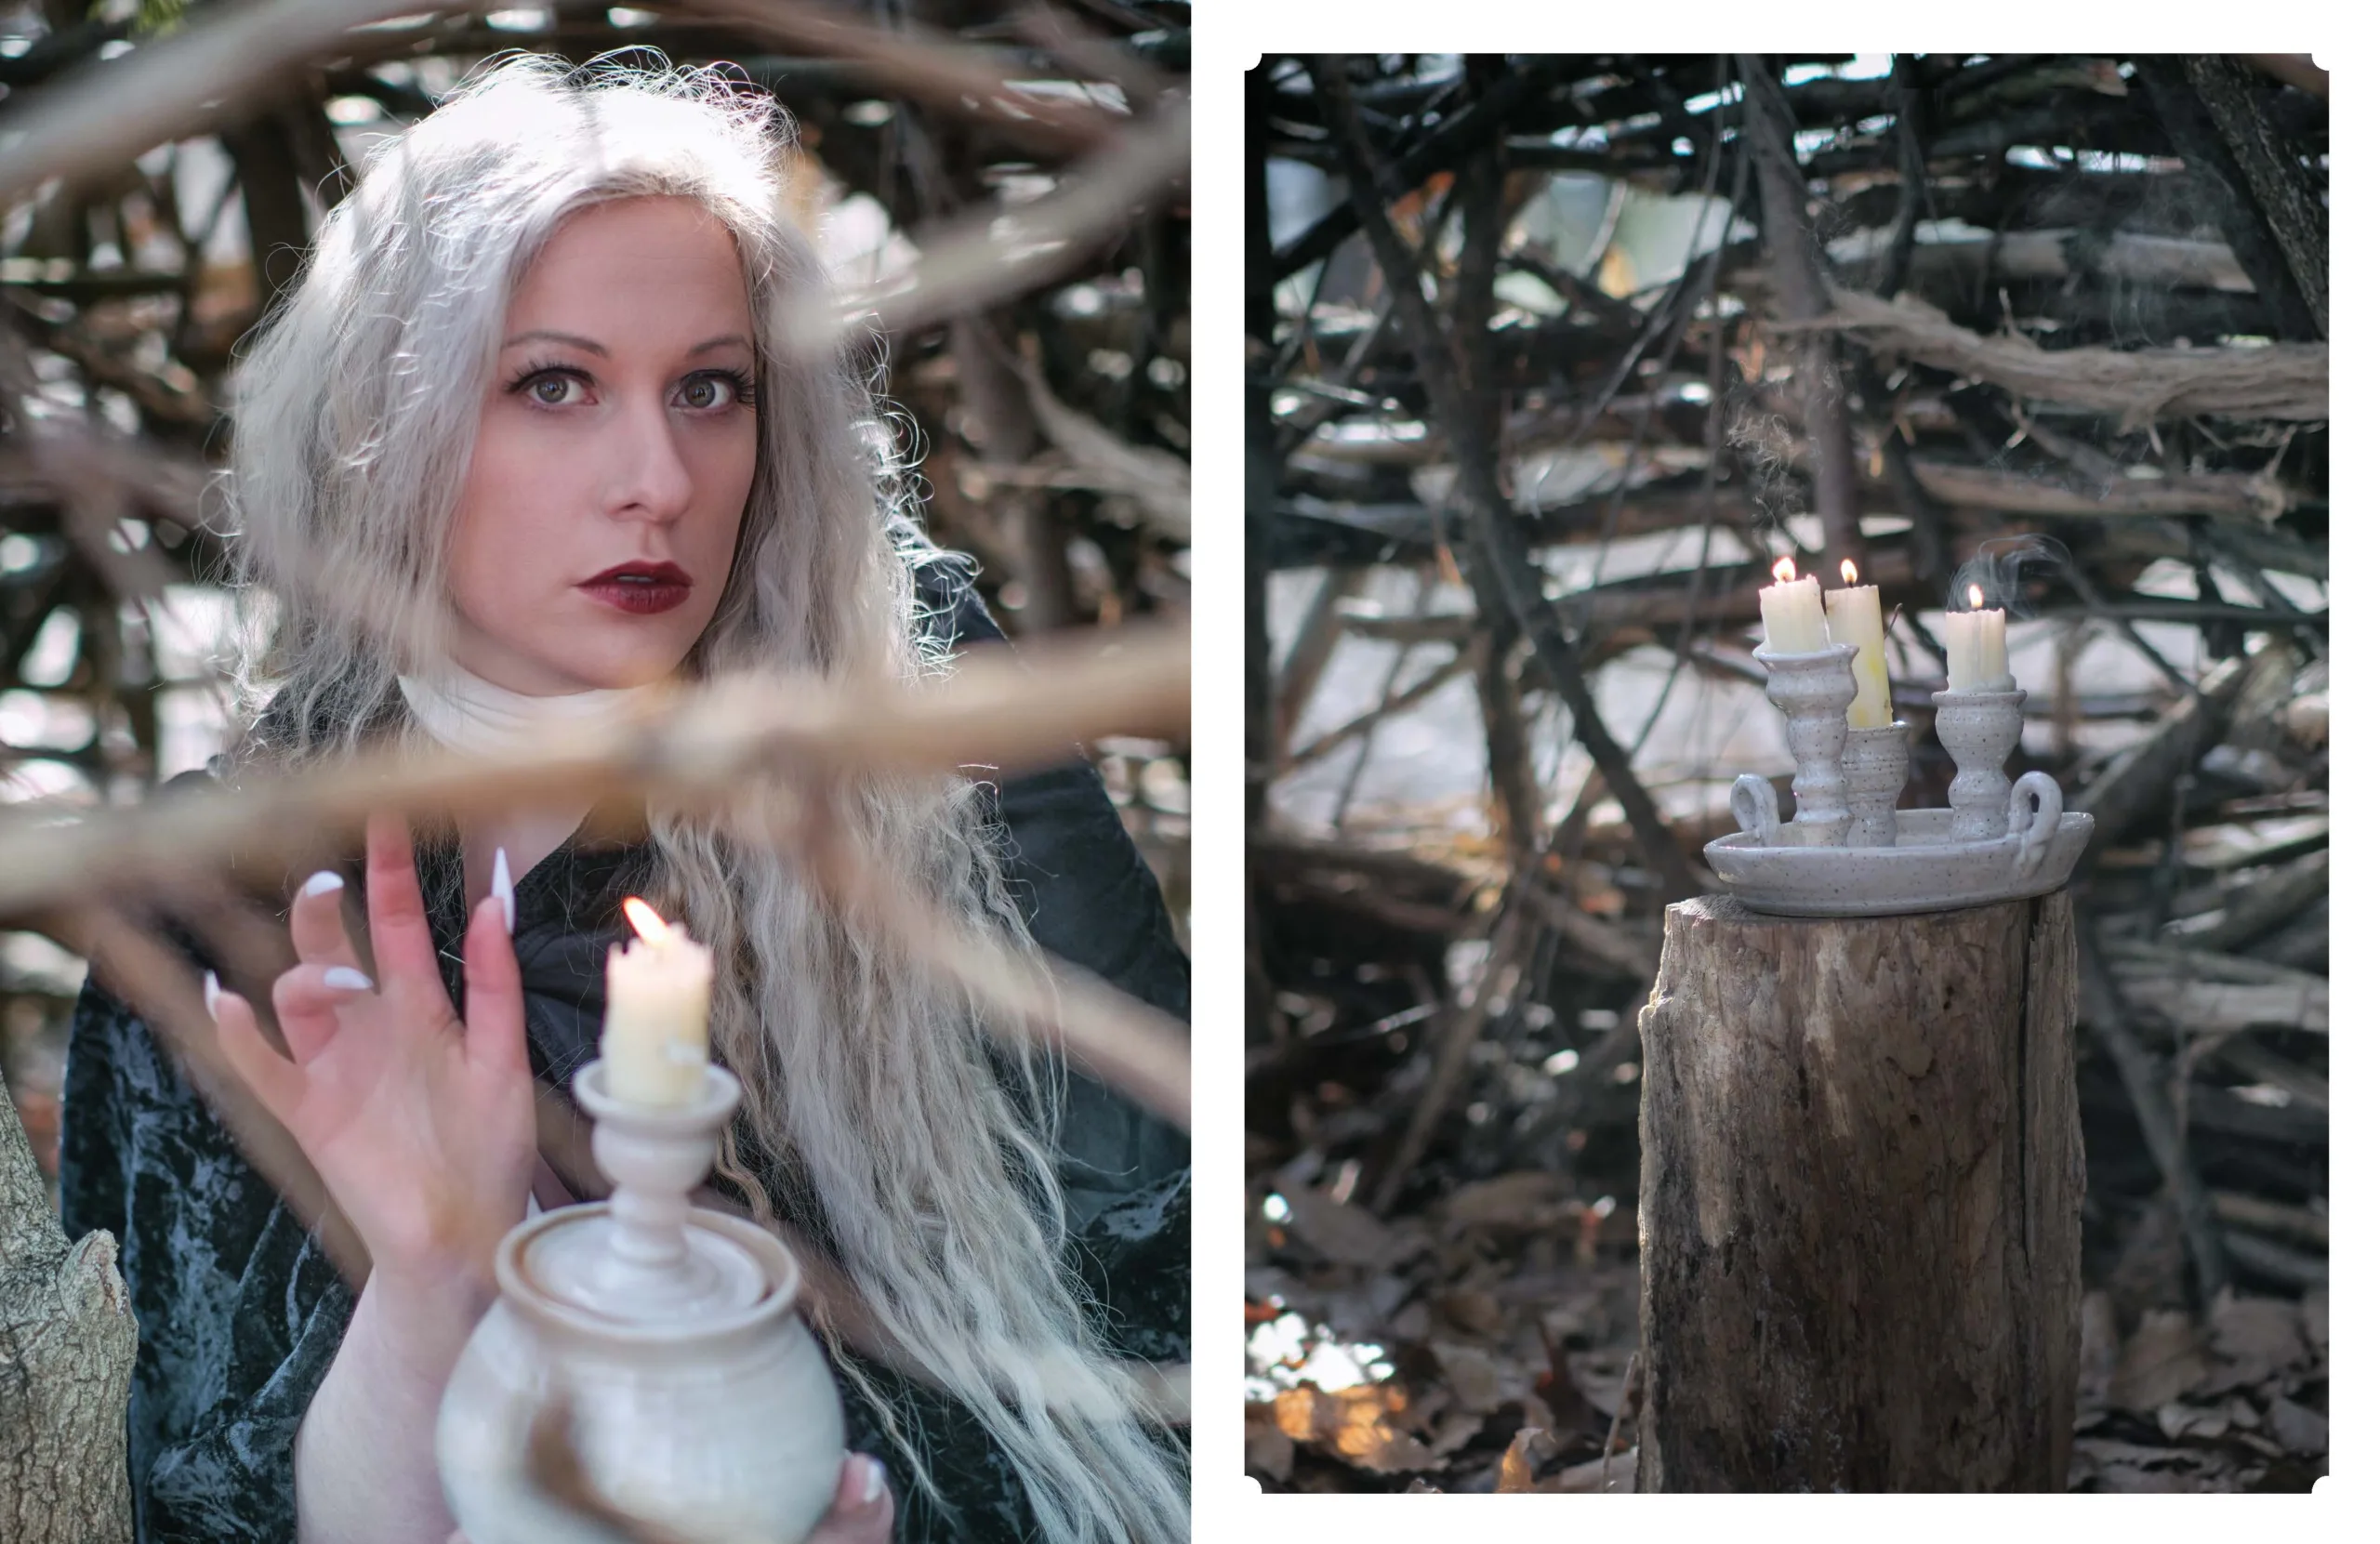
x=1770 y=867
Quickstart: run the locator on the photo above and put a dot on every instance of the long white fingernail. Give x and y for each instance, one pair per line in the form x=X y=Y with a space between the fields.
x=875 y=1483
x=213 y=992
x=322 y=884
x=346 y=977
x=501 y=887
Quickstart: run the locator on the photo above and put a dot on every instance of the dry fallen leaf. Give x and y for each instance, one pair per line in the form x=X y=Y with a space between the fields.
x=1362 y=1425
x=2299 y=1429
x=2314 y=1314
x=1616 y=1474
x=1480 y=1312
x=1517 y=1472
x=2104 y=1464
x=1518 y=1200
x=2160 y=1363
x=1270 y=1452
x=1470 y=1374
x=1455 y=1432
x=2252 y=1339
x=2178 y=1420
x=1346 y=1235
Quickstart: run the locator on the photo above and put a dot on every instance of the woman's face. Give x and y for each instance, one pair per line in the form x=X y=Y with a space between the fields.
x=616 y=447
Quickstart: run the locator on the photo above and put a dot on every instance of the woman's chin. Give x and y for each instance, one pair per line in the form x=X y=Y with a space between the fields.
x=627 y=675
x=555 y=674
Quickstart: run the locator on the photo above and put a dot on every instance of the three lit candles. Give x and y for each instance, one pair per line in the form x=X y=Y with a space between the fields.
x=1790 y=616
x=1793 y=624
x=656 y=1012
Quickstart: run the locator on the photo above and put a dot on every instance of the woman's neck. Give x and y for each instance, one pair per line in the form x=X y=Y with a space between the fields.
x=466 y=713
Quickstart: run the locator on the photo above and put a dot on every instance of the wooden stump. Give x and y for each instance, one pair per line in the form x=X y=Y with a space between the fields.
x=67 y=1341
x=1861 y=1201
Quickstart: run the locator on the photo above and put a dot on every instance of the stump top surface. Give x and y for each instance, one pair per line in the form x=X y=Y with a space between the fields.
x=1727 y=911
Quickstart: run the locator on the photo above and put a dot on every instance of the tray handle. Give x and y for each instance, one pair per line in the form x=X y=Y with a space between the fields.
x=2036 y=826
x=1753 y=803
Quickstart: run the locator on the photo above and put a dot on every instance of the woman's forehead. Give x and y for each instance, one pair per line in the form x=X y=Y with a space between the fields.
x=637 y=268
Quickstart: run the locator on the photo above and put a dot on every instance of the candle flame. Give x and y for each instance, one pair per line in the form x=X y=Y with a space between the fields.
x=1784 y=570
x=1850 y=571
x=1974 y=598
x=645 y=920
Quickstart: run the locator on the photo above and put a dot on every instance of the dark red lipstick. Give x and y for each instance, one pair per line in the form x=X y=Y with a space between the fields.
x=642 y=589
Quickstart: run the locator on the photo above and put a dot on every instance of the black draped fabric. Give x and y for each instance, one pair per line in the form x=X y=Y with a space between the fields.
x=240 y=1312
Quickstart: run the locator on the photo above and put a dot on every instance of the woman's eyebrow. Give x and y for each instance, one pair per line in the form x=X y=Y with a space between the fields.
x=725 y=340
x=570 y=339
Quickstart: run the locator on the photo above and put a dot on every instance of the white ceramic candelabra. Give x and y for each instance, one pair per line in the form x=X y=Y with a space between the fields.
x=666 y=1334
x=1979 y=727
x=1813 y=690
x=1875 y=769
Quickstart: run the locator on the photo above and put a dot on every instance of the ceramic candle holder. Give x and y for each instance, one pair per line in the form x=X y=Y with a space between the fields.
x=1979 y=728
x=662 y=1335
x=1813 y=690
x=1875 y=769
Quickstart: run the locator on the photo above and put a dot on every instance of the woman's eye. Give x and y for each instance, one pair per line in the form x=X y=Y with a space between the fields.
x=706 y=391
x=552 y=390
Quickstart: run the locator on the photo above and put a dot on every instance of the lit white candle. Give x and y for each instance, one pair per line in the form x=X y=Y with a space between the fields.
x=1991 y=639
x=1959 y=642
x=1977 y=642
x=1790 y=616
x=1853 y=615
x=656 y=1012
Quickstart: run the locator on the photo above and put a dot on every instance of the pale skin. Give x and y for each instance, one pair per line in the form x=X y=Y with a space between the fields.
x=618 y=429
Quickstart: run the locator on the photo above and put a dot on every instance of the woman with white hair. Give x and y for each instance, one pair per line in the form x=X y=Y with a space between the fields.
x=521 y=442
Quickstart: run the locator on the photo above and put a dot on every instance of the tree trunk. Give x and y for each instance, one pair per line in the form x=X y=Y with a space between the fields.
x=66 y=1345
x=1861 y=1202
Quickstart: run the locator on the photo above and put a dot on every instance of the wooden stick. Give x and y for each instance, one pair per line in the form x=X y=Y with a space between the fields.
x=1008 y=713
x=2103 y=1011
x=1451 y=1041
x=1795 y=260
x=170 y=87
x=2286 y=194
x=1464 y=659
x=921 y=63
x=2288 y=381
x=1510 y=573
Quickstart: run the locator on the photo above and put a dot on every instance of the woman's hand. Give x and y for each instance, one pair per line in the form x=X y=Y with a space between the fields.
x=863 y=1510
x=421 y=1125
x=862 y=1514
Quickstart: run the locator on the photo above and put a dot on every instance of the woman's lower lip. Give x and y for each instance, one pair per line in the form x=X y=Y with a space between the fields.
x=640 y=600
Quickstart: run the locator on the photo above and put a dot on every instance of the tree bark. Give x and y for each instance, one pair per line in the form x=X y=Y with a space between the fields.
x=66 y=1345
x=1861 y=1202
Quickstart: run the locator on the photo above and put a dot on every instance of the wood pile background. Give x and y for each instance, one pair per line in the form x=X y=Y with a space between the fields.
x=2074 y=307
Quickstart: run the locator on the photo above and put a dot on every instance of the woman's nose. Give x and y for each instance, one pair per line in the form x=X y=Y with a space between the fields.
x=652 y=480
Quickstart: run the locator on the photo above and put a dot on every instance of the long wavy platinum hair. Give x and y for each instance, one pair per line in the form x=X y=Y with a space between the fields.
x=872 y=1088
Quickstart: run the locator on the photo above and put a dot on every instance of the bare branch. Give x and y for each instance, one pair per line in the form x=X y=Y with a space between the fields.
x=2290 y=381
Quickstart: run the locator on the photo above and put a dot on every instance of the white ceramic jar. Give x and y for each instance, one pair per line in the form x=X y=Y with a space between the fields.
x=667 y=1338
